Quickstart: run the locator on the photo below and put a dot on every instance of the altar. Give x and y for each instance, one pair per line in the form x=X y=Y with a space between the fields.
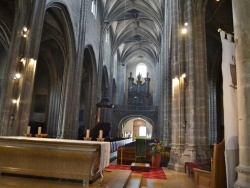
x=56 y=158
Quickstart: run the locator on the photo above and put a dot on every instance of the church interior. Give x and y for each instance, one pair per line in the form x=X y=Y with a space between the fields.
x=88 y=83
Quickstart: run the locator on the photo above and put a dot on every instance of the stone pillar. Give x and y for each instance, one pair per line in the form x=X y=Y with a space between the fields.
x=242 y=41
x=121 y=92
x=8 y=110
x=177 y=116
x=53 y=115
x=196 y=91
x=31 y=55
x=189 y=95
x=77 y=78
x=164 y=74
x=30 y=15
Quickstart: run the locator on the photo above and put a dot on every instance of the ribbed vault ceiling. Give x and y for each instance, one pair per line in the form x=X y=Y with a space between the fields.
x=136 y=27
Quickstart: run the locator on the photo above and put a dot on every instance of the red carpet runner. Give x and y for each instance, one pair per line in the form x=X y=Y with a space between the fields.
x=152 y=174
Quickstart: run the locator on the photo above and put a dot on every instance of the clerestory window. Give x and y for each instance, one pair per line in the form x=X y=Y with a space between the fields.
x=142 y=69
x=94 y=8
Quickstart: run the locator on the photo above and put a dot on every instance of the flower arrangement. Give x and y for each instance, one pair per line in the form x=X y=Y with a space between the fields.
x=158 y=147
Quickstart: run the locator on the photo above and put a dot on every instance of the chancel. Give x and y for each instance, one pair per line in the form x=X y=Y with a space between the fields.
x=99 y=92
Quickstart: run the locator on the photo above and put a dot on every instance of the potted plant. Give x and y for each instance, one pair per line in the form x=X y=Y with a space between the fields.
x=158 y=150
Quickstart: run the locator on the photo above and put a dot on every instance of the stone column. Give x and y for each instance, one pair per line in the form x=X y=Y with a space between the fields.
x=77 y=80
x=10 y=86
x=121 y=91
x=164 y=72
x=189 y=96
x=177 y=116
x=31 y=55
x=242 y=40
x=196 y=95
x=54 y=109
x=30 y=15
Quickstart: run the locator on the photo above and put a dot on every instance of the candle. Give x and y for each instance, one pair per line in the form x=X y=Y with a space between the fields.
x=28 y=129
x=100 y=134
x=39 y=130
x=87 y=133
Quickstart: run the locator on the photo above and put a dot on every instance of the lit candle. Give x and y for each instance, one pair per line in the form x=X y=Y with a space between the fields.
x=28 y=129
x=100 y=134
x=87 y=133
x=39 y=130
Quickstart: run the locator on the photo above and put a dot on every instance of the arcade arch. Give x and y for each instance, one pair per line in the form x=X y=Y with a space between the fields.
x=132 y=126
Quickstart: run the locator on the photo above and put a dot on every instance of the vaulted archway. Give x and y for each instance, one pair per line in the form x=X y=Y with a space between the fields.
x=51 y=93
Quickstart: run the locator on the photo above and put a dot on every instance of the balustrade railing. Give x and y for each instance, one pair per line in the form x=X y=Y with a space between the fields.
x=135 y=108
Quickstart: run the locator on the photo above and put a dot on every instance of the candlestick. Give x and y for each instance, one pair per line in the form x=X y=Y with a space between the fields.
x=87 y=133
x=100 y=139
x=87 y=139
x=28 y=130
x=100 y=134
x=39 y=130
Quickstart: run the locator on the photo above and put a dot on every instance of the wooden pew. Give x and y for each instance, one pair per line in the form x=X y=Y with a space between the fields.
x=217 y=177
x=126 y=155
x=189 y=166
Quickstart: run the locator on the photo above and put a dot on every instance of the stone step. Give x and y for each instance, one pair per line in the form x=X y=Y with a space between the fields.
x=144 y=167
x=134 y=181
x=113 y=178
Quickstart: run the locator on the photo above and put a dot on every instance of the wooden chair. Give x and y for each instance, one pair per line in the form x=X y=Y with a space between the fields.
x=217 y=177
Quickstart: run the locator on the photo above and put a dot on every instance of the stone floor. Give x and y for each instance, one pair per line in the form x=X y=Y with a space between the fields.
x=174 y=180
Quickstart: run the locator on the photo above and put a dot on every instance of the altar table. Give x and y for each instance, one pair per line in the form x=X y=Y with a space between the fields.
x=56 y=158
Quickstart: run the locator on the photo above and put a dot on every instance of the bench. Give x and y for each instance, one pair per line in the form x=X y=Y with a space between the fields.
x=216 y=178
x=189 y=166
x=126 y=155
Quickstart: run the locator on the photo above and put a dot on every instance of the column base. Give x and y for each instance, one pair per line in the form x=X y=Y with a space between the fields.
x=243 y=180
x=177 y=167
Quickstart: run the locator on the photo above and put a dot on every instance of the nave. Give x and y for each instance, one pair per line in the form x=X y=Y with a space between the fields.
x=174 y=180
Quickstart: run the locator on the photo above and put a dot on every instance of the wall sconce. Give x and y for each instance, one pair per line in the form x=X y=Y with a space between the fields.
x=17 y=76
x=25 y=32
x=14 y=101
x=184 y=75
x=176 y=78
x=32 y=61
x=22 y=59
x=184 y=29
x=185 y=124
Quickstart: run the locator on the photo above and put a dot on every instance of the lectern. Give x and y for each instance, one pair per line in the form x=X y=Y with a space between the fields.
x=140 y=155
